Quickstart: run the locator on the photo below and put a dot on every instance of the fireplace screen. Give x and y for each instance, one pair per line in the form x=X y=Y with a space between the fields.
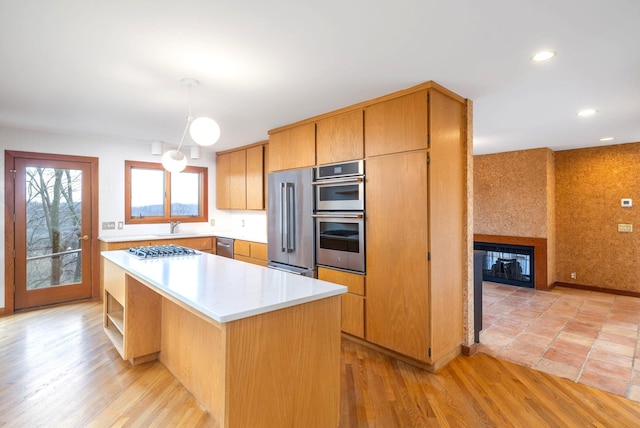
x=507 y=264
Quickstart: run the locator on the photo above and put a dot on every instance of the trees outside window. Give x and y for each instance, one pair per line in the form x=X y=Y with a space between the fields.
x=54 y=224
x=154 y=195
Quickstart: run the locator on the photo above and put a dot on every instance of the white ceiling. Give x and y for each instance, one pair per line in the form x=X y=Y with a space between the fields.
x=112 y=68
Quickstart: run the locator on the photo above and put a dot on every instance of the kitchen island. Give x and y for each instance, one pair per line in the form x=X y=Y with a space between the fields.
x=255 y=346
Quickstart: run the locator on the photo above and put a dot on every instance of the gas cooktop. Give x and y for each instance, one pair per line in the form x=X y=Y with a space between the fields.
x=161 y=251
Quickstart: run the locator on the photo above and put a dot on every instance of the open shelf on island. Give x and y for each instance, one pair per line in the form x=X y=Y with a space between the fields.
x=116 y=338
x=117 y=319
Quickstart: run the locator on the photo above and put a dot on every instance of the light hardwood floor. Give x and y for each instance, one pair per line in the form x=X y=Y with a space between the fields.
x=57 y=369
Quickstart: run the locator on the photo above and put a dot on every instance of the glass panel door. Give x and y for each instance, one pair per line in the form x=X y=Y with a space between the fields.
x=52 y=232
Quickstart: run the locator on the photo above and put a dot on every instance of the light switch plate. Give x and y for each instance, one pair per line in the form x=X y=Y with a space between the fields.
x=626 y=203
x=622 y=227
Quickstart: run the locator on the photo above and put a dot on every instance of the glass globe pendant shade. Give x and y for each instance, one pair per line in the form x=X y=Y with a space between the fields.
x=174 y=161
x=204 y=131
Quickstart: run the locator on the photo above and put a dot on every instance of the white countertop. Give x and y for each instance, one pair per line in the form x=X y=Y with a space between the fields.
x=243 y=235
x=224 y=289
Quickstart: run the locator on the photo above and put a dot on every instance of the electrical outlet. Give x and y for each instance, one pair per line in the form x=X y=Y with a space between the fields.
x=573 y=275
x=108 y=225
x=622 y=227
x=120 y=225
x=242 y=222
x=213 y=222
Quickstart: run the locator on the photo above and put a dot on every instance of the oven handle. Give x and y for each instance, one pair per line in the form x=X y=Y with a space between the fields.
x=340 y=180
x=336 y=215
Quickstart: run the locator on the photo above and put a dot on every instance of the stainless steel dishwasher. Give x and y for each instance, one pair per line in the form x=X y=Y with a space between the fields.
x=224 y=247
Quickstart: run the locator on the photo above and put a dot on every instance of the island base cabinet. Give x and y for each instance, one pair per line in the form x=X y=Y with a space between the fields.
x=131 y=315
x=278 y=369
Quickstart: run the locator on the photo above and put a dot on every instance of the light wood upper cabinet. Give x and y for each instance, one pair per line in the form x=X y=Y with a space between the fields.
x=255 y=178
x=340 y=138
x=222 y=180
x=293 y=148
x=396 y=125
x=240 y=179
x=397 y=253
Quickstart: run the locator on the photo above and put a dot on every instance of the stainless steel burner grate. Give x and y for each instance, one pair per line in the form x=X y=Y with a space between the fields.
x=161 y=251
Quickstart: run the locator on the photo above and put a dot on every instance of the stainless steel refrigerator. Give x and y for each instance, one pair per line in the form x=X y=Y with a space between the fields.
x=289 y=222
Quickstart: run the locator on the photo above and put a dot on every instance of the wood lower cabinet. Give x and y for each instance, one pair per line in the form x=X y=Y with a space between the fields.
x=131 y=315
x=205 y=244
x=250 y=252
x=293 y=147
x=340 y=138
x=352 y=302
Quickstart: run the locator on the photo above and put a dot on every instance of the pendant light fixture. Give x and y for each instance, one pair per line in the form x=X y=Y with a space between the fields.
x=203 y=130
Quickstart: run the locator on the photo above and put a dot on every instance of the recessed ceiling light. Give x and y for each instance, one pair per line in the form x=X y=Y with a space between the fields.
x=543 y=56
x=587 y=112
x=606 y=139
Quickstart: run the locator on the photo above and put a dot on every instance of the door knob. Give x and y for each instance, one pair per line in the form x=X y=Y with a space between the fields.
x=83 y=238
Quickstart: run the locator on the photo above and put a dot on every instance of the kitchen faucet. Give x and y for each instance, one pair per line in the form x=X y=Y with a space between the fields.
x=173 y=226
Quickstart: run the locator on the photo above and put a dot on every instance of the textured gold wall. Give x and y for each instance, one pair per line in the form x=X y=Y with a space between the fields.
x=511 y=193
x=589 y=186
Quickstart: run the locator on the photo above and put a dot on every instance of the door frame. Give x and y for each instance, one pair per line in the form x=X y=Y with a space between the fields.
x=9 y=227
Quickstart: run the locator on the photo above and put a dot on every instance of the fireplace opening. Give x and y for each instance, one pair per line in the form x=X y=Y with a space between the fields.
x=507 y=264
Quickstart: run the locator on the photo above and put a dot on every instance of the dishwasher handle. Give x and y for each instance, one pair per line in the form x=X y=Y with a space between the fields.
x=224 y=247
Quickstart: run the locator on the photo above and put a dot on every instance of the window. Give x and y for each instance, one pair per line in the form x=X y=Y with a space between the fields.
x=153 y=195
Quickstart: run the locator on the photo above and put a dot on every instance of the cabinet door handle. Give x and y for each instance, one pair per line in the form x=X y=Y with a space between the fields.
x=83 y=238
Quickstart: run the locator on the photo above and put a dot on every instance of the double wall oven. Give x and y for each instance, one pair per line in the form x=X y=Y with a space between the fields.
x=339 y=215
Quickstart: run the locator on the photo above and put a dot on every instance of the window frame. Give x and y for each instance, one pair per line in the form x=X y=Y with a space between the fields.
x=167 y=217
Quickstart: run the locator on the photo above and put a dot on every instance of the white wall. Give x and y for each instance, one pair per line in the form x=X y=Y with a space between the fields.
x=111 y=154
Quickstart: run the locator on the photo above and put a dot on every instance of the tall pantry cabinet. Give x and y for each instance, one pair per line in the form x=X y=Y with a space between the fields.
x=415 y=208
x=414 y=144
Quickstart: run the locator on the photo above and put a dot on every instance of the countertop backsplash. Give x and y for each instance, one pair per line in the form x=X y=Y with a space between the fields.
x=247 y=225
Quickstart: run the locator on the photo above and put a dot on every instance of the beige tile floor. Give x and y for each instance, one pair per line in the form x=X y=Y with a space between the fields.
x=586 y=336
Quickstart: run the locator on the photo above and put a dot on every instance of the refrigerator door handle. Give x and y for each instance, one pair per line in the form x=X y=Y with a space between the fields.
x=291 y=218
x=284 y=226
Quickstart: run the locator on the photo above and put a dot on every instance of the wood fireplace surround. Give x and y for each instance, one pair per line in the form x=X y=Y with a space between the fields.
x=539 y=250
